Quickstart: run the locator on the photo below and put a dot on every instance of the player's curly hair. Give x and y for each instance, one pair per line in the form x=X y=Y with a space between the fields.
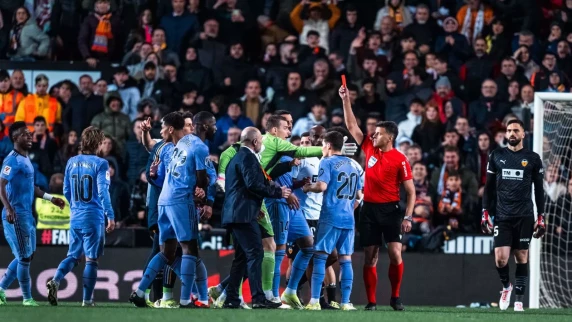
x=91 y=138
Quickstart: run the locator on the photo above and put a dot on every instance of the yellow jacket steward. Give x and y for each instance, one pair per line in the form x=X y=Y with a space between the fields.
x=51 y=216
x=9 y=105
x=34 y=105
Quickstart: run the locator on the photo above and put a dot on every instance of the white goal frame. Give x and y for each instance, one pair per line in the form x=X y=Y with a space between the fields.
x=535 y=248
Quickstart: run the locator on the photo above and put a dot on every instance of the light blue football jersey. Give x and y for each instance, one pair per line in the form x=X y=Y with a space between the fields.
x=19 y=172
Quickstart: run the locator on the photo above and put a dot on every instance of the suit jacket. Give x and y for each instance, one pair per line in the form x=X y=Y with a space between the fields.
x=246 y=186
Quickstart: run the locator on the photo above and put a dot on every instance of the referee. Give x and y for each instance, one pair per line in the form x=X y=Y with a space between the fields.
x=386 y=169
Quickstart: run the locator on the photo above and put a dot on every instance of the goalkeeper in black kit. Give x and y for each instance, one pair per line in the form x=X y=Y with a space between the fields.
x=511 y=171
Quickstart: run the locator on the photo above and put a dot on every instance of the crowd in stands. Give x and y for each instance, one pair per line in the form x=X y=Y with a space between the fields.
x=450 y=73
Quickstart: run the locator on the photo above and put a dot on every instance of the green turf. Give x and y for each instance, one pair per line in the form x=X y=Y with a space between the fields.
x=72 y=312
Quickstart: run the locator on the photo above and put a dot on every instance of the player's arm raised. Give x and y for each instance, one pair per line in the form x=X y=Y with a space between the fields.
x=146 y=139
x=103 y=182
x=351 y=121
x=537 y=179
x=488 y=195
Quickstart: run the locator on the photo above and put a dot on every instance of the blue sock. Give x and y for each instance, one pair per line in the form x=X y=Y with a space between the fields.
x=10 y=275
x=65 y=267
x=154 y=267
x=201 y=280
x=89 y=279
x=299 y=266
x=24 y=279
x=278 y=257
x=318 y=274
x=176 y=266
x=347 y=279
x=188 y=269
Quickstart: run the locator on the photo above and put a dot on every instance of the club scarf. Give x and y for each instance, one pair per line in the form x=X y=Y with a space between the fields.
x=102 y=34
x=479 y=23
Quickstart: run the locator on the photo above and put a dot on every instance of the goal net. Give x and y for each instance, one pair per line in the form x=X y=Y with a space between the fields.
x=551 y=257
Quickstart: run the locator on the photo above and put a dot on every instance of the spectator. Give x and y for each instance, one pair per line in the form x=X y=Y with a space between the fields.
x=321 y=84
x=295 y=99
x=68 y=150
x=554 y=188
x=430 y=132
x=509 y=72
x=513 y=93
x=65 y=22
x=469 y=142
x=173 y=88
x=442 y=69
x=336 y=60
x=498 y=40
x=525 y=62
x=252 y=103
x=345 y=31
x=192 y=71
x=271 y=33
x=112 y=121
x=151 y=86
x=137 y=72
x=477 y=162
x=443 y=95
x=540 y=79
x=413 y=119
x=44 y=148
x=134 y=59
x=371 y=123
x=368 y=69
x=19 y=82
x=110 y=153
x=127 y=89
x=442 y=9
x=40 y=104
x=396 y=10
x=419 y=85
x=395 y=107
x=212 y=51
x=235 y=20
x=27 y=41
x=316 y=117
x=137 y=154
x=146 y=108
x=526 y=37
x=487 y=110
x=276 y=75
x=476 y=69
x=119 y=195
x=100 y=35
x=137 y=215
x=310 y=53
x=232 y=137
x=405 y=57
x=162 y=49
x=9 y=100
x=564 y=58
x=180 y=26
x=556 y=83
x=525 y=106
x=424 y=29
x=371 y=101
x=236 y=71
x=423 y=210
x=374 y=49
x=233 y=118
x=453 y=44
x=450 y=202
x=311 y=16
x=472 y=18
x=100 y=87
x=414 y=154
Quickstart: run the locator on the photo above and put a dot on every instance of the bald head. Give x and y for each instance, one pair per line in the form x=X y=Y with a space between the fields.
x=252 y=138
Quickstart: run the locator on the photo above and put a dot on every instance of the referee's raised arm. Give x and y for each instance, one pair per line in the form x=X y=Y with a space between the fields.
x=349 y=116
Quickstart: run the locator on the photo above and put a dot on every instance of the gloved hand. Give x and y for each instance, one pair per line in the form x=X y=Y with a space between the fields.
x=349 y=149
x=539 y=227
x=486 y=223
x=220 y=181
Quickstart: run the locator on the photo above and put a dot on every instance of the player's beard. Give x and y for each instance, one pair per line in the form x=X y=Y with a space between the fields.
x=514 y=141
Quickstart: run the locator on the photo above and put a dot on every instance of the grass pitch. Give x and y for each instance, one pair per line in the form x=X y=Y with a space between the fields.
x=124 y=312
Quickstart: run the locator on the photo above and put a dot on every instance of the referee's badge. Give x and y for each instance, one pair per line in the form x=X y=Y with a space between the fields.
x=371 y=162
x=524 y=162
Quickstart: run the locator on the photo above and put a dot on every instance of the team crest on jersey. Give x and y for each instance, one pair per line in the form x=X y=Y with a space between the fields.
x=107 y=176
x=371 y=162
x=7 y=170
x=524 y=162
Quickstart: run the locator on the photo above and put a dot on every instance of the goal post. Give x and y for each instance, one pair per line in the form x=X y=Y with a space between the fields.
x=555 y=109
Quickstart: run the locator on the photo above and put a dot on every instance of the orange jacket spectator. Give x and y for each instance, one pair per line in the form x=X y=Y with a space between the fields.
x=472 y=17
x=9 y=100
x=40 y=104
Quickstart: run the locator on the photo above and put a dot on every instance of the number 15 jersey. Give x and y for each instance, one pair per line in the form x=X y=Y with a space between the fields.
x=344 y=178
x=86 y=187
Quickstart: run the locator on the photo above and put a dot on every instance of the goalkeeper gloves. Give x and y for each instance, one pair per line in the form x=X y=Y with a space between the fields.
x=486 y=223
x=539 y=227
x=349 y=149
x=220 y=181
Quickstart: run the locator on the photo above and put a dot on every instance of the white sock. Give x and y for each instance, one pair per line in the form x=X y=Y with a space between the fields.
x=269 y=295
x=167 y=296
x=147 y=296
x=290 y=291
x=241 y=298
x=185 y=302
x=314 y=301
x=140 y=293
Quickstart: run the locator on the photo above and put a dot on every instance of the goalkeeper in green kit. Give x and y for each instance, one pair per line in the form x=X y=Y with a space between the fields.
x=273 y=148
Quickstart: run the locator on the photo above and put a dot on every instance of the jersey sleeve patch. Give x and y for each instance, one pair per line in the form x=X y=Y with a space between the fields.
x=107 y=176
x=6 y=170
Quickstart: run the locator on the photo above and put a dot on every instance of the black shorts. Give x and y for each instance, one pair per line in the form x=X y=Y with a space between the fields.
x=292 y=248
x=380 y=220
x=514 y=232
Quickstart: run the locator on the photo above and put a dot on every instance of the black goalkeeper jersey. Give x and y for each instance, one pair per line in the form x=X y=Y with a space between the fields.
x=515 y=172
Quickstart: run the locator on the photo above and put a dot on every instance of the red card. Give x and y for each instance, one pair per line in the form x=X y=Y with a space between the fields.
x=344 y=80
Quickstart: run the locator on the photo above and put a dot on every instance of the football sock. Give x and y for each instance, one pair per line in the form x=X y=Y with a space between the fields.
x=154 y=267
x=167 y=294
x=504 y=275
x=176 y=267
x=224 y=283
x=331 y=291
x=157 y=285
x=89 y=279
x=147 y=294
x=201 y=281
x=240 y=289
x=318 y=275
x=370 y=281
x=195 y=289
x=346 y=280
x=268 y=263
x=64 y=268
x=279 y=256
x=188 y=270
x=395 y=276
x=10 y=275
x=521 y=276
x=23 y=273
x=299 y=268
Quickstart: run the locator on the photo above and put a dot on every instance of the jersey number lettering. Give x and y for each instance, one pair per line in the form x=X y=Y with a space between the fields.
x=496 y=231
x=83 y=188
x=350 y=182
x=179 y=159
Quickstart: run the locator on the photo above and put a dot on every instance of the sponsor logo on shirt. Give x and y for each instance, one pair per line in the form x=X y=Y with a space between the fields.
x=524 y=162
x=371 y=162
x=404 y=168
x=7 y=170
x=512 y=174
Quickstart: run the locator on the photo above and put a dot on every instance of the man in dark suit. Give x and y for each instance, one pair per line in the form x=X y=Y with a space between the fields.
x=246 y=186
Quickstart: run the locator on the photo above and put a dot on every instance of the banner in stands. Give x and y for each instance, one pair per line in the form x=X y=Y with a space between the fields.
x=51 y=216
x=429 y=279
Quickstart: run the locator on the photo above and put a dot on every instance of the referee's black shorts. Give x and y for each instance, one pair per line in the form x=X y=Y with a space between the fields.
x=379 y=222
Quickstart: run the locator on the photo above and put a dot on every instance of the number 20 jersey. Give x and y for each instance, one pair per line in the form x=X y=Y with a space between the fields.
x=344 y=178
x=86 y=187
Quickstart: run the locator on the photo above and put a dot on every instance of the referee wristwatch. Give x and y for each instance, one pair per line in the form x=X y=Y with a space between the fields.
x=408 y=218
